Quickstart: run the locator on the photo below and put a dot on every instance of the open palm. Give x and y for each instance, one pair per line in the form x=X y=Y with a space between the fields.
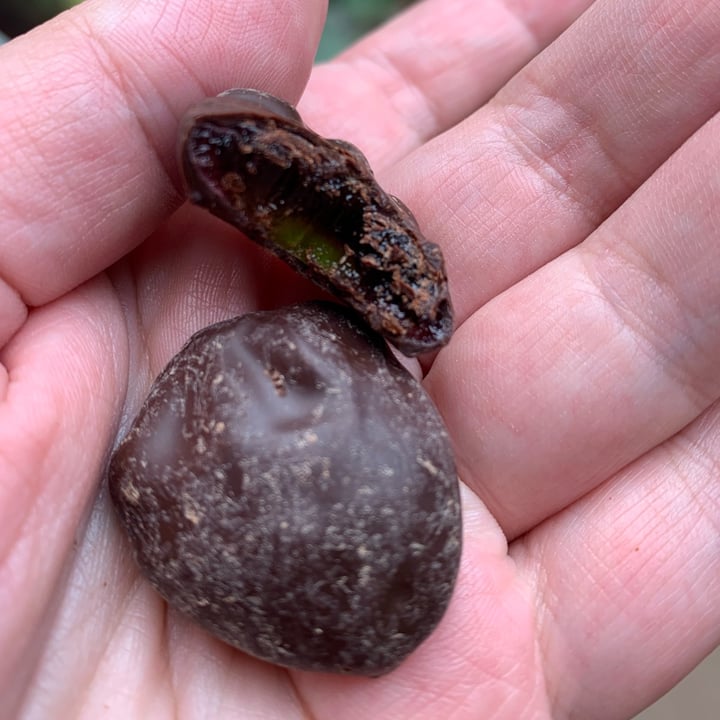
x=575 y=194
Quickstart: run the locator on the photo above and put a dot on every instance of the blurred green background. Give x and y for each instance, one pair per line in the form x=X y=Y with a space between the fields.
x=347 y=19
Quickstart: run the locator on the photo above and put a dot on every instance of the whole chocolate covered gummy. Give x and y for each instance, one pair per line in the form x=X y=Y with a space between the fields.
x=291 y=487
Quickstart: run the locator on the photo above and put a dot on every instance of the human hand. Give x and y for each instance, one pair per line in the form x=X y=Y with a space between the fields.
x=580 y=387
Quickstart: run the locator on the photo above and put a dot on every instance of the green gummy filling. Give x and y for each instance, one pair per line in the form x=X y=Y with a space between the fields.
x=302 y=240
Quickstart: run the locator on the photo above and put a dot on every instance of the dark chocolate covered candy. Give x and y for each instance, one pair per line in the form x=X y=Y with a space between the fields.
x=248 y=158
x=291 y=487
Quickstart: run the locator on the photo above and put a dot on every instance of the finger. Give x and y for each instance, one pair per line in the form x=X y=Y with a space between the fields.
x=427 y=69
x=57 y=419
x=88 y=111
x=632 y=572
x=565 y=143
x=597 y=357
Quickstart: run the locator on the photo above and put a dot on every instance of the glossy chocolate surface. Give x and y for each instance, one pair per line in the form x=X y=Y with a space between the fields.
x=291 y=487
x=248 y=158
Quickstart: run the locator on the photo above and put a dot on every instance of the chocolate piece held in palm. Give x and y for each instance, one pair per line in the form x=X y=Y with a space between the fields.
x=248 y=158
x=291 y=487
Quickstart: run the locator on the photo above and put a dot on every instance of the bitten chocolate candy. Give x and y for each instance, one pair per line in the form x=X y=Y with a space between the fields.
x=248 y=158
x=291 y=487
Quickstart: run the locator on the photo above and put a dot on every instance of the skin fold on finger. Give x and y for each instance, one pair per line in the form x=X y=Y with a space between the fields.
x=596 y=358
x=627 y=579
x=428 y=69
x=57 y=420
x=564 y=143
x=89 y=105
x=13 y=312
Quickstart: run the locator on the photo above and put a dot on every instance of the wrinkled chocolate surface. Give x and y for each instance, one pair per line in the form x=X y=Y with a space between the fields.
x=291 y=487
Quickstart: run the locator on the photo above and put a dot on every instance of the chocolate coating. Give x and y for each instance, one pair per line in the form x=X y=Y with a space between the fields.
x=248 y=158
x=291 y=487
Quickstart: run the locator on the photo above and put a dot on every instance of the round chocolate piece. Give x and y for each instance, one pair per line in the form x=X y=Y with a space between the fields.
x=291 y=487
